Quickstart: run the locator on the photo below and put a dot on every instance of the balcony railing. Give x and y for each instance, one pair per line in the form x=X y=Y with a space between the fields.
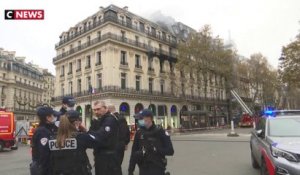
x=116 y=21
x=28 y=86
x=31 y=111
x=3 y=96
x=124 y=63
x=118 y=89
x=151 y=69
x=138 y=66
x=116 y=38
x=162 y=71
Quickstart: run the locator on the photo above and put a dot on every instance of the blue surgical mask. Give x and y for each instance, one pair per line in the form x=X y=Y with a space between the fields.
x=141 y=123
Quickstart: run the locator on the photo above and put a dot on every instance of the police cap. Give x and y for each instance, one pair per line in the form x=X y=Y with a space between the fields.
x=144 y=113
x=43 y=112
x=73 y=115
x=69 y=100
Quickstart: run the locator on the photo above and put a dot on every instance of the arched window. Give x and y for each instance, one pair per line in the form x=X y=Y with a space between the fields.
x=124 y=109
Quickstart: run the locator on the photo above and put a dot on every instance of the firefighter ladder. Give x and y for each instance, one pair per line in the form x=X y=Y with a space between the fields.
x=241 y=102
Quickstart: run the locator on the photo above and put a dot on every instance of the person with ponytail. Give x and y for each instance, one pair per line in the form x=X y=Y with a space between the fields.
x=68 y=150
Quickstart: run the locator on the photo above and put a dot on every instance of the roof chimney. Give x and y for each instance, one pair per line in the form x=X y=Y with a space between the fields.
x=125 y=8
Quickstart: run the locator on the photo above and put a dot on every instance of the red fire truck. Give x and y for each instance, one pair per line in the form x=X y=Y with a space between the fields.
x=246 y=120
x=7 y=131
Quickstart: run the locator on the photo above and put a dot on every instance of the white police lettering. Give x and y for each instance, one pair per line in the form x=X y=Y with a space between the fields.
x=44 y=141
x=107 y=128
x=69 y=144
x=167 y=134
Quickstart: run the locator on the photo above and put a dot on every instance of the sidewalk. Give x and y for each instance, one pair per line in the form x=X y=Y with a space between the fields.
x=221 y=129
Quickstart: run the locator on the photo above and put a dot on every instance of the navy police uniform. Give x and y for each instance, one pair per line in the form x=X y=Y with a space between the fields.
x=72 y=158
x=124 y=136
x=106 y=131
x=40 y=146
x=149 y=149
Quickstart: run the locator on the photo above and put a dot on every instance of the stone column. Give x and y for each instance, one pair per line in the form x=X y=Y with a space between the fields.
x=9 y=100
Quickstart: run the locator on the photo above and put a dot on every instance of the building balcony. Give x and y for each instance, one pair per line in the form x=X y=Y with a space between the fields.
x=87 y=69
x=27 y=86
x=109 y=36
x=78 y=70
x=3 y=96
x=70 y=75
x=141 y=93
x=200 y=98
x=25 y=111
x=99 y=66
x=124 y=66
x=62 y=77
x=151 y=71
x=138 y=68
x=114 y=20
x=162 y=73
x=161 y=53
x=118 y=90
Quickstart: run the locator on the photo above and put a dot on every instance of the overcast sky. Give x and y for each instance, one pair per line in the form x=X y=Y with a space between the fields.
x=254 y=25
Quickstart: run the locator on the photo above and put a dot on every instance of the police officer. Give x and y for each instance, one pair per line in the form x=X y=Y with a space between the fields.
x=105 y=127
x=151 y=144
x=68 y=150
x=68 y=103
x=124 y=133
x=40 y=147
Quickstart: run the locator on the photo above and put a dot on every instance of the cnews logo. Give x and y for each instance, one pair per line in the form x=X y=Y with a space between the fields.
x=24 y=14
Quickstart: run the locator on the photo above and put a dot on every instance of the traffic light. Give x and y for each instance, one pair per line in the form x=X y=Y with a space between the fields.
x=79 y=110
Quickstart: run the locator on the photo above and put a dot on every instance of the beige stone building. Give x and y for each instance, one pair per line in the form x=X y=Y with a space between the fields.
x=129 y=61
x=48 y=86
x=21 y=86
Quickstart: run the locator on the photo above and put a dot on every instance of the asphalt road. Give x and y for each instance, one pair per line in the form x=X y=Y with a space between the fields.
x=205 y=153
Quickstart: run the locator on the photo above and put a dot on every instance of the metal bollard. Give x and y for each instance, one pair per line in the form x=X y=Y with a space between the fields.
x=232 y=132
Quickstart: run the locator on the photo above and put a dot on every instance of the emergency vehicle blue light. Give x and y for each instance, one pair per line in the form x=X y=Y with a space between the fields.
x=270 y=113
